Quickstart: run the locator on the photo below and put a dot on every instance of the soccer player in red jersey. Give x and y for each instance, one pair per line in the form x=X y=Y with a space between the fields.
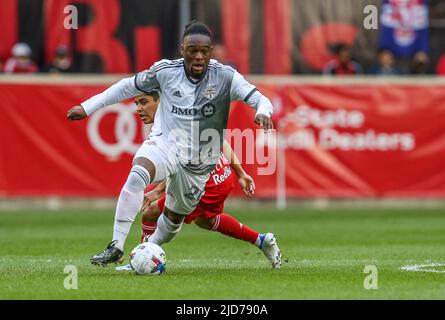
x=209 y=213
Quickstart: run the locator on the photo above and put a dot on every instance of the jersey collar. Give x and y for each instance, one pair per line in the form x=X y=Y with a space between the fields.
x=189 y=78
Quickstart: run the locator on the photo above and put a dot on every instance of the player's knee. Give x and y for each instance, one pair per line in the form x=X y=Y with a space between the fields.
x=151 y=213
x=173 y=216
x=138 y=179
x=147 y=165
x=205 y=223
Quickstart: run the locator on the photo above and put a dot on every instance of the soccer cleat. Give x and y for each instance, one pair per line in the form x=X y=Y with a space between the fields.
x=270 y=249
x=127 y=267
x=109 y=255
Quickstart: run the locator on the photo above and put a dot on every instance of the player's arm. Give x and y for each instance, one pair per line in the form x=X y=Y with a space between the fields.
x=241 y=89
x=126 y=88
x=246 y=182
x=153 y=195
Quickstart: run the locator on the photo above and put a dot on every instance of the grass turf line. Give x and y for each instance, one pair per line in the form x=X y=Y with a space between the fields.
x=327 y=251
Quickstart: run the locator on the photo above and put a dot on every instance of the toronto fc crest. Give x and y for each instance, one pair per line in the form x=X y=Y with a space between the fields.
x=210 y=92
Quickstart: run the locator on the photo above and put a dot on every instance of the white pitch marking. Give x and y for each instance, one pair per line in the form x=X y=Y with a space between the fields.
x=422 y=267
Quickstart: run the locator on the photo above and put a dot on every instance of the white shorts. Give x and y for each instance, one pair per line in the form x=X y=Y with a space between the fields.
x=155 y=150
x=184 y=189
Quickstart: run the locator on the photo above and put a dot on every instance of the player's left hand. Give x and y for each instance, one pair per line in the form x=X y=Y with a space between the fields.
x=264 y=121
x=247 y=184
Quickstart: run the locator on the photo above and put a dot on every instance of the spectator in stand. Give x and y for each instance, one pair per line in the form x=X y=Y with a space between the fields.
x=1 y=66
x=20 y=62
x=386 y=65
x=420 y=64
x=62 y=62
x=440 y=70
x=343 y=63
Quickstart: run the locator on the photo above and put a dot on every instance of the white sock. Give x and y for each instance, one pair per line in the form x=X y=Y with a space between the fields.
x=165 y=231
x=129 y=203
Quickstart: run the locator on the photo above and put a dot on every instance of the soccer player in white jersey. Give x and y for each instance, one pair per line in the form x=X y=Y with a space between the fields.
x=186 y=137
x=209 y=213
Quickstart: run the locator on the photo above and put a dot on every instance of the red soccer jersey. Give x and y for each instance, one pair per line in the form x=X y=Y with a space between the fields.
x=219 y=185
x=221 y=173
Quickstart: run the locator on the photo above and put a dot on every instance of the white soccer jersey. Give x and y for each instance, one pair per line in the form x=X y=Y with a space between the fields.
x=192 y=114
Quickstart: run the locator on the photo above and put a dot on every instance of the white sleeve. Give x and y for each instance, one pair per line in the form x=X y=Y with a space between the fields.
x=122 y=90
x=143 y=82
x=147 y=80
x=241 y=89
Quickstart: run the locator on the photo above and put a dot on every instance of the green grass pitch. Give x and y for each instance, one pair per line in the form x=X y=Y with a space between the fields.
x=326 y=251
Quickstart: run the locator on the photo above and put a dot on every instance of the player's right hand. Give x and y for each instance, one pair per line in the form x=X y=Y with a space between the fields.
x=264 y=121
x=149 y=197
x=76 y=113
x=247 y=184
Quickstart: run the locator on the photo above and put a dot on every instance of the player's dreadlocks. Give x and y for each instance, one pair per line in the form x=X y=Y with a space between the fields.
x=196 y=27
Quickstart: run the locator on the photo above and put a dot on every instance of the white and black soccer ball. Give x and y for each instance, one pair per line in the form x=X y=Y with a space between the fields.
x=148 y=259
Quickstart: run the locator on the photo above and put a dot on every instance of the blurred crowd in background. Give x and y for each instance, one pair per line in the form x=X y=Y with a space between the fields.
x=409 y=40
x=386 y=63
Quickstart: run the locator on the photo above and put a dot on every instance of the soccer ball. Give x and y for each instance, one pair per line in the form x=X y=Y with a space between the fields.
x=148 y=258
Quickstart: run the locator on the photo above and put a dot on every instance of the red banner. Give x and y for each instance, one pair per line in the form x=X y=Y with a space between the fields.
x=44 y=154
x=333 y=140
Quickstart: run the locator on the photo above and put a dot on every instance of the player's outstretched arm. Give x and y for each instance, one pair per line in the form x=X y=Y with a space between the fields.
x=120 y=91
x=241 y=89
x=126 y=88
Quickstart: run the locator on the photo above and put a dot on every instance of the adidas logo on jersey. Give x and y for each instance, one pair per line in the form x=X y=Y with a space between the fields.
x=177 y=93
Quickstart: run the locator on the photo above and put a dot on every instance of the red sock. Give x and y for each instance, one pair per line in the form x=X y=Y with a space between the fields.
x=231 y=227
x=148 y=228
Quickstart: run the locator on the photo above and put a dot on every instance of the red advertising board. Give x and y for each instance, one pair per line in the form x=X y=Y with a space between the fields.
x=334 y=140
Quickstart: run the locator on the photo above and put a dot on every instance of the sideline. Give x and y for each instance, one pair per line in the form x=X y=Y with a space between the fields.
x=102 y=79
x=60 y=203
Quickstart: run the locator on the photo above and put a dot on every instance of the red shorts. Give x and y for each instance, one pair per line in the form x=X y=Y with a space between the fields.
x=211 y=203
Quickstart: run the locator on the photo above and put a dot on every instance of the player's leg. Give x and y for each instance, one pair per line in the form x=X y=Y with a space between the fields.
x=150 y=217
x=168 y=225
x=148 y=167
x=229 y=226
x=183 y=192
x=211 y=217
x=131 y=198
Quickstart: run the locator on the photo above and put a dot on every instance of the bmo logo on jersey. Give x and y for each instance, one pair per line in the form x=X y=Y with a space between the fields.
x=207 y=110
x=184 y=111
